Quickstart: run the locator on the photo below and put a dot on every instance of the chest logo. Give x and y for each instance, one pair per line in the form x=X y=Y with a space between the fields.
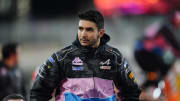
x=77 y=61
x=105 y=65
x=107 y=62
x=77 y=64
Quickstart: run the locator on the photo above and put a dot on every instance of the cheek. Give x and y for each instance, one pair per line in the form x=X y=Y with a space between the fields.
x=95 y=35
x=79 y=34
x=91 y=36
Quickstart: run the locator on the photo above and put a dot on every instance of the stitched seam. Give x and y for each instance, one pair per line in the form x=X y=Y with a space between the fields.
x=59 y=60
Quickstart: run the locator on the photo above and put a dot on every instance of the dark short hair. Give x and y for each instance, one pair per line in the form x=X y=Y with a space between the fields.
x=94 y=16
x=8 y=49
x=13 y=96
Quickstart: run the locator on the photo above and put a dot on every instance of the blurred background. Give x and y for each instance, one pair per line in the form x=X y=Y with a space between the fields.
x=42 y=27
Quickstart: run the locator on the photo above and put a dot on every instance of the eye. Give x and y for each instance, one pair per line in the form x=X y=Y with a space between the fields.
x=90 y=29
x=80 y=28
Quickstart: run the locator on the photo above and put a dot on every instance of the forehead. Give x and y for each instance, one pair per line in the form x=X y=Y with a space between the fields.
x=86 y=24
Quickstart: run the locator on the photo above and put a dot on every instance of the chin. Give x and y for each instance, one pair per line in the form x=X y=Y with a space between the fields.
x=84 y=44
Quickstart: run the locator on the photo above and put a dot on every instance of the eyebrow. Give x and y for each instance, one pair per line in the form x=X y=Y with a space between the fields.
x=80 y=27
x=86 y=27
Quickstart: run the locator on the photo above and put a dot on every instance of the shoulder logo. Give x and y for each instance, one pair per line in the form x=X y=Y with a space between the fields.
x=80 y=68
x=51 y=60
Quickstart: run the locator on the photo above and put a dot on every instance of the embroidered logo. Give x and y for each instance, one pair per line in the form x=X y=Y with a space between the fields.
x=105 y=65
x=107 y=62
x=77 y=64
x=51 y=60
x=77 y=61
x=77 y=68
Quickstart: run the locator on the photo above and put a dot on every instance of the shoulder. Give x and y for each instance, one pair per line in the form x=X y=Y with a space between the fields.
x=62 y=53
x=114 y=51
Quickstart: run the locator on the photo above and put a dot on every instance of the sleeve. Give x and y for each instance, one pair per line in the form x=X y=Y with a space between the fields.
x=126 y=82
x=47 y=79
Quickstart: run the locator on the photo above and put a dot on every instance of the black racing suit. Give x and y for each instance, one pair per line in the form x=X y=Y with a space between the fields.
x=85 y=74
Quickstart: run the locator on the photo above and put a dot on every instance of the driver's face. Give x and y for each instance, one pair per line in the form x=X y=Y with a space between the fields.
x=88 y=33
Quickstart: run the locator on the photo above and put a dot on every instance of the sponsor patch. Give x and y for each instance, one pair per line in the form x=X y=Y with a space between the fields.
x=51 y=60
x=107 y=62
x=77 y=61
x=105 y=67
x=79 y=68
x=49 y=67
x=131 y=75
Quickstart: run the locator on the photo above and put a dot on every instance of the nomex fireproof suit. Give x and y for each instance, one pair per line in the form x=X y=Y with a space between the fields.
x=85 y=74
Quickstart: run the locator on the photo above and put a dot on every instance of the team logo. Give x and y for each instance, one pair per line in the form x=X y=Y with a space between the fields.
x=77 y=61
x=107 y=62
x=105 y=65
x=77 y=64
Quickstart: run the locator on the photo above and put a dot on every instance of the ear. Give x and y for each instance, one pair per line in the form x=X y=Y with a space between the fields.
x=101 y=32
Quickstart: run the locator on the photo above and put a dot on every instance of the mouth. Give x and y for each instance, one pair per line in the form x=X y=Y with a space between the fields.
x=84 y=41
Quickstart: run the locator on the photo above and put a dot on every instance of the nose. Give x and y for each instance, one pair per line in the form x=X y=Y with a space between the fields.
x=84 y=33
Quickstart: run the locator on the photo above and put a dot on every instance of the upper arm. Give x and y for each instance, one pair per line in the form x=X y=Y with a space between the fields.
x=125 y=81
x=47 y=79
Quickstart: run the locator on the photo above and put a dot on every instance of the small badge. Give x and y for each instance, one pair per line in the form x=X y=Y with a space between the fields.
x=131 y=75
x=107 y=62
x=77 y=61
x=105 y=67
x=125 y=64
x=51 y=60
x=79 y=68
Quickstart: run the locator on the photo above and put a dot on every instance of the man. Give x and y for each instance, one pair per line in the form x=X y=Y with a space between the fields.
x=11 y=76
x=14 y=97
x=87 y=70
